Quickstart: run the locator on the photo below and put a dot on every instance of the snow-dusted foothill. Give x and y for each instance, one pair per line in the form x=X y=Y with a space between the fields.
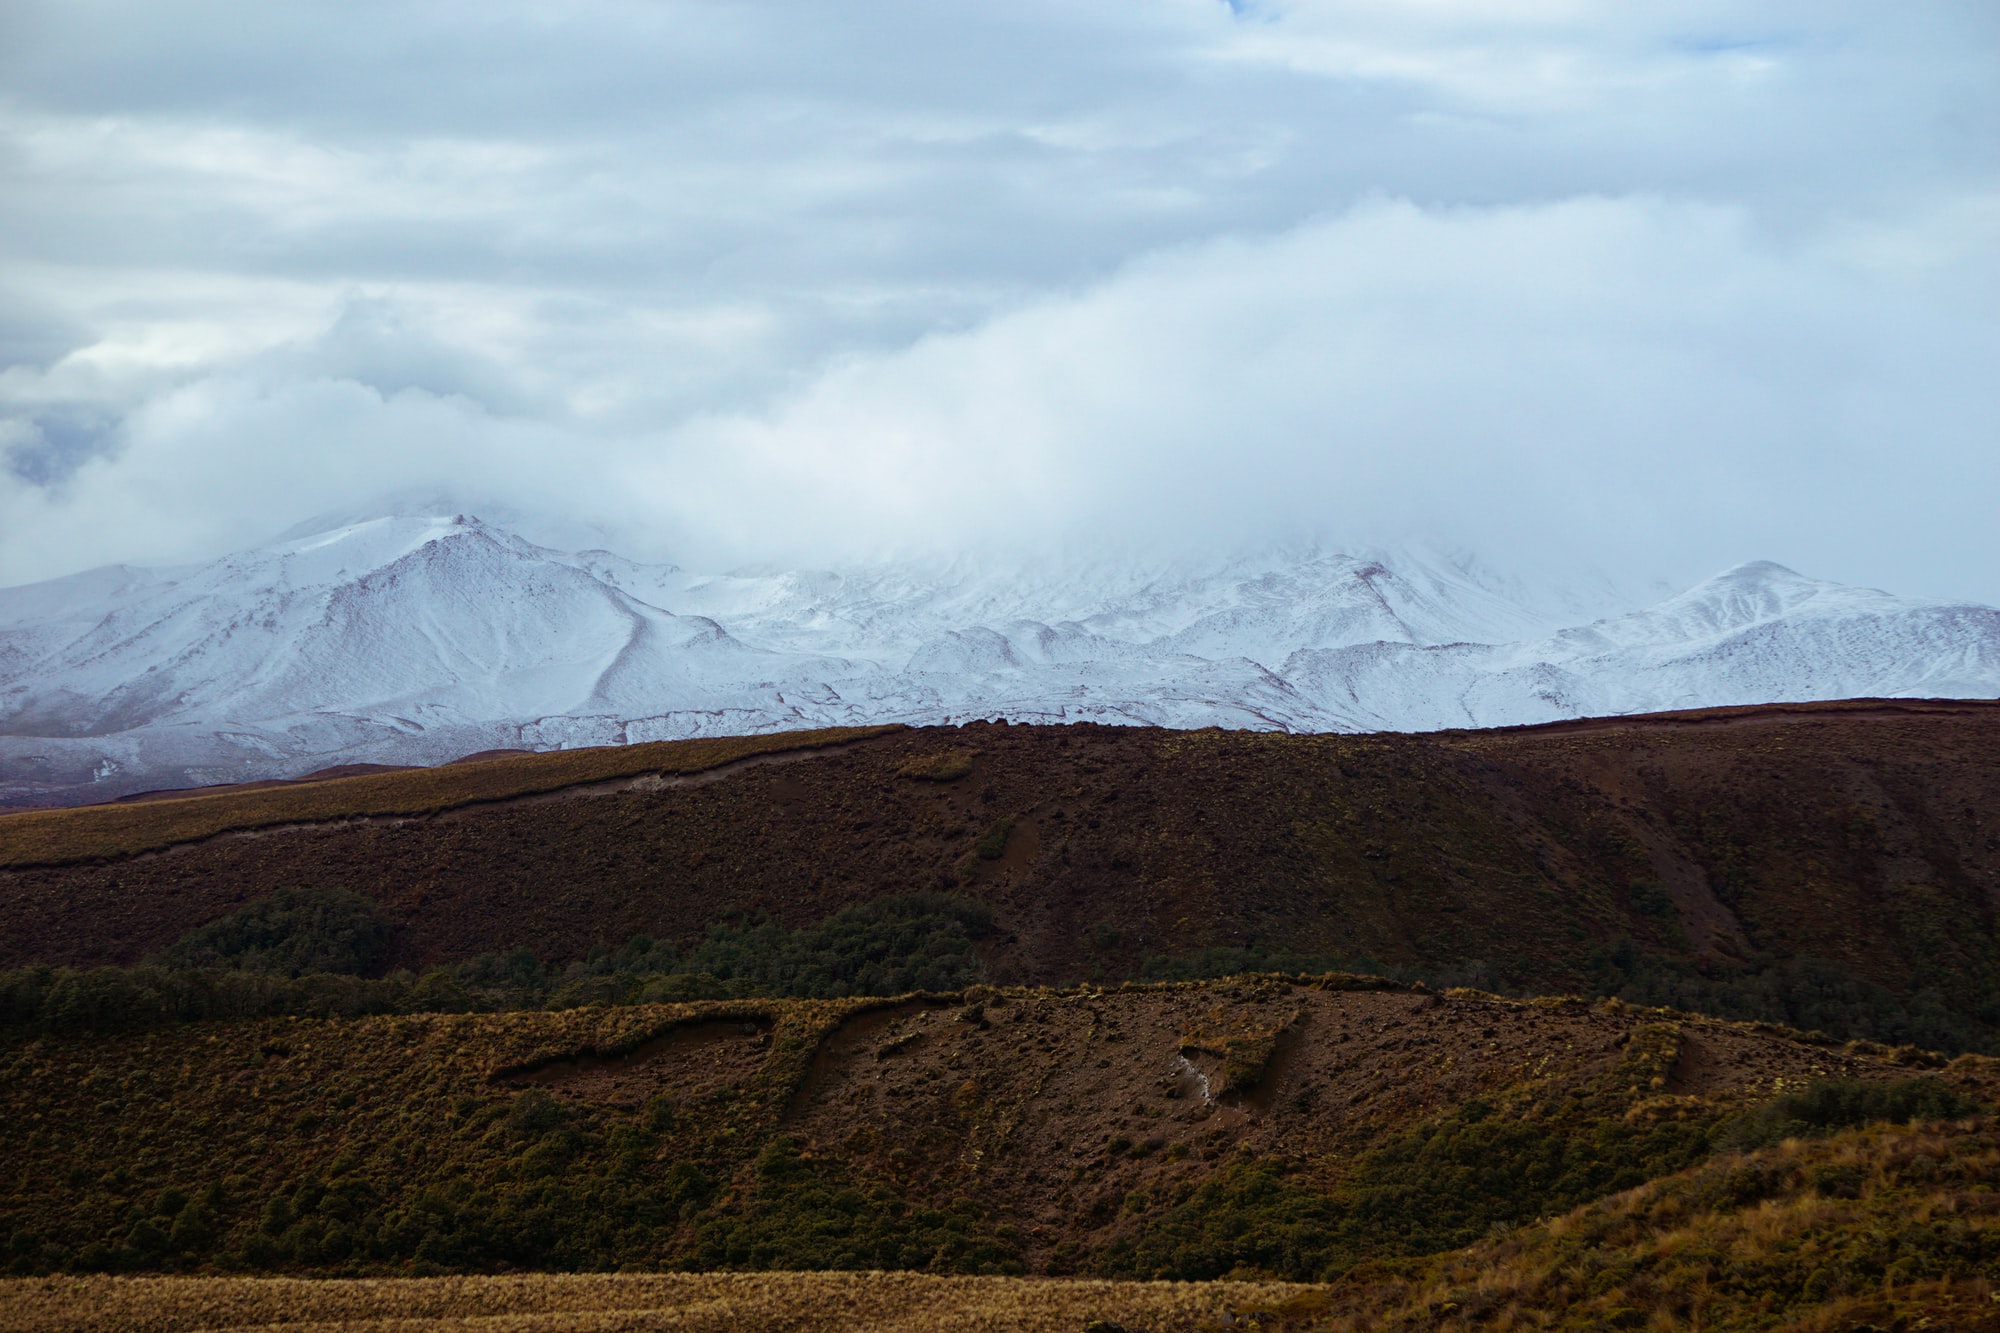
x=416 y=639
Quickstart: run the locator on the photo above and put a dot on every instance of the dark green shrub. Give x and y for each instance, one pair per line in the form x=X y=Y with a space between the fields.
x=1811 y=994
x=993 y=842
x=290 y=933
x=887 y=947
x=1844 y=1103
x=1441 y=1185
x=1228 y=961
x=104 y=999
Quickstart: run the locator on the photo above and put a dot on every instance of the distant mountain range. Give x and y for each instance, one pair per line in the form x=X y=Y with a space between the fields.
x=417 y=639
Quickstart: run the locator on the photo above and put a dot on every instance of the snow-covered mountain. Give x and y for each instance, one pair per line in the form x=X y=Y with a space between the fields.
x=415 y=639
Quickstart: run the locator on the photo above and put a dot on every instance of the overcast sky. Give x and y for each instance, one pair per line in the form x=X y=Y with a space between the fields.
x=1657 y=287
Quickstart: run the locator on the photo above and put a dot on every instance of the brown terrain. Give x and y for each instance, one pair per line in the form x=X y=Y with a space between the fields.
x=1866 y=834
x=1430 y=1155
x=1071 y=1115
x=1068 y=1123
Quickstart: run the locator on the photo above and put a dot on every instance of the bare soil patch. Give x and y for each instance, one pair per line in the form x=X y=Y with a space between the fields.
x=689 y=1062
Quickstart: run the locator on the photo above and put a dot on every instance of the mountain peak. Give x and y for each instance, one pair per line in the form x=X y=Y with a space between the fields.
x=1761 y=572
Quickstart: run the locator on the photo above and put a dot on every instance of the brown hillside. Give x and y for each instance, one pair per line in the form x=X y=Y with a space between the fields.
x=1866 y=835
x=989 y=1131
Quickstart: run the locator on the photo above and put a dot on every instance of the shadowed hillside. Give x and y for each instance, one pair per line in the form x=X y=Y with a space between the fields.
x=1267 y=1126
x=1831 y=866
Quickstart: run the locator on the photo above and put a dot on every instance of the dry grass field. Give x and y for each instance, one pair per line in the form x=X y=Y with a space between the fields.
x=694 y=1303
x=95 y=832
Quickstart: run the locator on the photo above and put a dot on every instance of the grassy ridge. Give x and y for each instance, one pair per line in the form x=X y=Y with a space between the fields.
x=88 y=833
x=324 y=1144
x=1883 y=1226
x=1876 y=1227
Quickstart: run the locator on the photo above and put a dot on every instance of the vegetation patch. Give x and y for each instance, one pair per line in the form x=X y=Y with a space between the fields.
x=992 y=844
x=1245 y=1046
x=944 y=766
x=291 y=933
x=888 y=947
x=1837 y=1104
x=805 y=1212
x=1883 y=1227
x=1437 y=1186
x=822 y=1302
x=1807 y=993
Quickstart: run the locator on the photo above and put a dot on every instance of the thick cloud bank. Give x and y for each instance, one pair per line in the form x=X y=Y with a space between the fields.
x=1656 y=291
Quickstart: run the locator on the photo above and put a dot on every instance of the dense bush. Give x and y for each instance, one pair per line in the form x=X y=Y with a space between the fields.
x=290 y=933
x=888 y=947
x=1226 y=961
x=1844 y=1103
x=111 y=999
x=1249 y=1219
x=1438 y=1187
x=1449 y=1182
x=1230 y=961
x=1811 y=994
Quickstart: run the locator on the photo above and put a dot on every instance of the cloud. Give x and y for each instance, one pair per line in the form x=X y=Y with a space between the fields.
x=1665 y=286
x=1639 y=379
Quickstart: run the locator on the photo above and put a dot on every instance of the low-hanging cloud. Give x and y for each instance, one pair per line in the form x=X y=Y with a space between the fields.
x=1630 y=377
x=1563 y=283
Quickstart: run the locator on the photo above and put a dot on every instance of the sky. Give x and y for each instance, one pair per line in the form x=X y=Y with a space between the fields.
x=1652 y=289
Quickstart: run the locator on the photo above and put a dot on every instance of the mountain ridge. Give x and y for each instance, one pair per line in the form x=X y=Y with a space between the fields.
x=421 y=637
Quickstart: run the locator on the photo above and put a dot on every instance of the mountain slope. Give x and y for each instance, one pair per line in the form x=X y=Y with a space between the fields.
x=415 y=639
x=1758 y=633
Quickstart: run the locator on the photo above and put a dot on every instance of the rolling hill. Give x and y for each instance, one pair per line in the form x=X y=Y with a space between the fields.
x=1834 y=866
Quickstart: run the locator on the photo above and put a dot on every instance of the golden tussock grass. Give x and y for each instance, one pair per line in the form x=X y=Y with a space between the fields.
x=694 y=1303
x=1887 y=1226
x=946 y=766
x=54 y=837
